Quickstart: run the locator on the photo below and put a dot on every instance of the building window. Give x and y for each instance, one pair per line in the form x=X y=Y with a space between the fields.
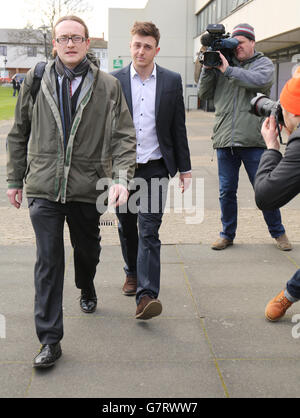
x=100 y=54
x=3 y=51
x=31 y=51
x=216 y=11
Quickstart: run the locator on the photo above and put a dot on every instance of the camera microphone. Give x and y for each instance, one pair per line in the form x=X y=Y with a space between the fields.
x=206 y=39
x=216 y=41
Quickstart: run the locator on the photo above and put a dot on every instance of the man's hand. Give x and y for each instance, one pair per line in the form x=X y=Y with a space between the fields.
x=15 y=196
x=185 y=181
x=224 y=64
x=118 y=195
x=221 y=67
x=270 y=133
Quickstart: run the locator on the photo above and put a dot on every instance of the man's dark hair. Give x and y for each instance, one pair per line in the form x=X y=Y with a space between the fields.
x=146 y=29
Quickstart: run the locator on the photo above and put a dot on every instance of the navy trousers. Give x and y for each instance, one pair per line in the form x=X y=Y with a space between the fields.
x=229 y=163
x=293 y=286
x=139 y=228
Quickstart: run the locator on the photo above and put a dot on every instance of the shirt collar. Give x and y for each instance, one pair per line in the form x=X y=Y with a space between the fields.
x=134 y=73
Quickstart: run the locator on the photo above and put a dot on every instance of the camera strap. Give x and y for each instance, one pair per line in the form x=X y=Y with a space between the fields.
x=279 y=132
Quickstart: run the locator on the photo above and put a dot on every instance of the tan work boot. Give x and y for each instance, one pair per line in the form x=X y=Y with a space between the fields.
x=277 y=307
x=283 y=243
x=130 y=286
x=221 y=244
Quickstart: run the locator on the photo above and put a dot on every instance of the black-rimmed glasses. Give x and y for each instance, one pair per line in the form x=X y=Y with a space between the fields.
x=76 y=39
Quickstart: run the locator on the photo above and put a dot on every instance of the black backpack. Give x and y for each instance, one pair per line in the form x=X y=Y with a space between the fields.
x=37 y=78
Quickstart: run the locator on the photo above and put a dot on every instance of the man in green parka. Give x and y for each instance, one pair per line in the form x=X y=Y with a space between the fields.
x=236 y=133
x=77 y=132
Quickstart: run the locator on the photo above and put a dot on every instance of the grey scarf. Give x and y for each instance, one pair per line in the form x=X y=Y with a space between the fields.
x=68 y=76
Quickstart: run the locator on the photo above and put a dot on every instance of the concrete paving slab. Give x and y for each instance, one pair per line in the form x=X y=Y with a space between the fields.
x=236 y=337
x=274 y=378
x=110 y=279
x=113 y=304
x=129 y=340
x=144 y=379
x=226 y=301
x=15 y=377
x=20 y=344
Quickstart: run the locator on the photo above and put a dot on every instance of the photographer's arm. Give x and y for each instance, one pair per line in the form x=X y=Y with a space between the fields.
x=259 y=77
x=278 y=178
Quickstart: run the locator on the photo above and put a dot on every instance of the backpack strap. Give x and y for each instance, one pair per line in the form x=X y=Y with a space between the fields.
x=37 y=78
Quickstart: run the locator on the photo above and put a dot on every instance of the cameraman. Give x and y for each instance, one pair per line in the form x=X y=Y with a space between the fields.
x=278 y=179
x=236 y=133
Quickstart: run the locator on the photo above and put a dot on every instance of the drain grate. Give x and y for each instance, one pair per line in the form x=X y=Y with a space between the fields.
x=106 y=222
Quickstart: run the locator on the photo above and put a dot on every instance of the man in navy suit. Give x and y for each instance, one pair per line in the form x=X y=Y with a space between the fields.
x=154 y=98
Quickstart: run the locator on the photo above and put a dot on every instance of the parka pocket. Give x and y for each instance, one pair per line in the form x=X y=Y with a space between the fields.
x=40 y=176
x=218 y=121
x=27 y=171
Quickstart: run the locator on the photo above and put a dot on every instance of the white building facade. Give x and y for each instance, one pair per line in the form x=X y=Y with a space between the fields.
x=176 y=22
x=20 y=49
x=276 y=24
x=182 y=23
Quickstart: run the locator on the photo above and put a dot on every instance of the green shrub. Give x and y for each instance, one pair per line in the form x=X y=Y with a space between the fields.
x=7 y=103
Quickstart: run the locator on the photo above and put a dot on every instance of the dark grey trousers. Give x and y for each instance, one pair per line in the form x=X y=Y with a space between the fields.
x=48 y=220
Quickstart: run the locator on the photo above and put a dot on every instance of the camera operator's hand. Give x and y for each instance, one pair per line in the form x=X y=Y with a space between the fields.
x=270 y=133
x=224 y=65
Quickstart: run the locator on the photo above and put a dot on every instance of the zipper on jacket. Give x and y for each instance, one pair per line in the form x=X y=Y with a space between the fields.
x=234 y=115
x=69 y=149
x=50 y=98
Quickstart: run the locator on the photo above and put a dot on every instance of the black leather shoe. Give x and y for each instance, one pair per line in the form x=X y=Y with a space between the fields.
x=88 y=300
x=47 y=356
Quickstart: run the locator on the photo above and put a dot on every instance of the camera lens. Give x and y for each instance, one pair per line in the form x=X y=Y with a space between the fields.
x=261 y=105
x=212 y=59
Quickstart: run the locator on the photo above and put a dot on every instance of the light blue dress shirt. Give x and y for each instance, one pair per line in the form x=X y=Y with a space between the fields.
x=143 y=106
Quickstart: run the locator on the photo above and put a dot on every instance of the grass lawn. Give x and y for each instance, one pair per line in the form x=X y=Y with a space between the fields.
x=7 y=103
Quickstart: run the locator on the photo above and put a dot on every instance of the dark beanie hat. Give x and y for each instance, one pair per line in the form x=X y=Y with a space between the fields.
x=243 y=29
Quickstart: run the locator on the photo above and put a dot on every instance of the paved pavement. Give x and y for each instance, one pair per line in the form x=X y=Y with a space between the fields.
x=211 y=340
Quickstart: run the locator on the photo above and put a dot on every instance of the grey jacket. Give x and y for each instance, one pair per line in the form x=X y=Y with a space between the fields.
x=278 y=177
x=232 y=93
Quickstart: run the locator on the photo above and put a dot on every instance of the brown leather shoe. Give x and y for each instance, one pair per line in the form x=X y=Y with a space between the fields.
x=283 y=243
x=277 y=307
x=221 y=244
x=148 y=308
x=130 y=285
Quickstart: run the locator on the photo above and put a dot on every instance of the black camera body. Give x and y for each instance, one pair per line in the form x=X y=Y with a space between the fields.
x=262 y=105
x=216 y=40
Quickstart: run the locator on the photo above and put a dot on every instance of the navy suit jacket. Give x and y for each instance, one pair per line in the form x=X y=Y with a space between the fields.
x=169 y=114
